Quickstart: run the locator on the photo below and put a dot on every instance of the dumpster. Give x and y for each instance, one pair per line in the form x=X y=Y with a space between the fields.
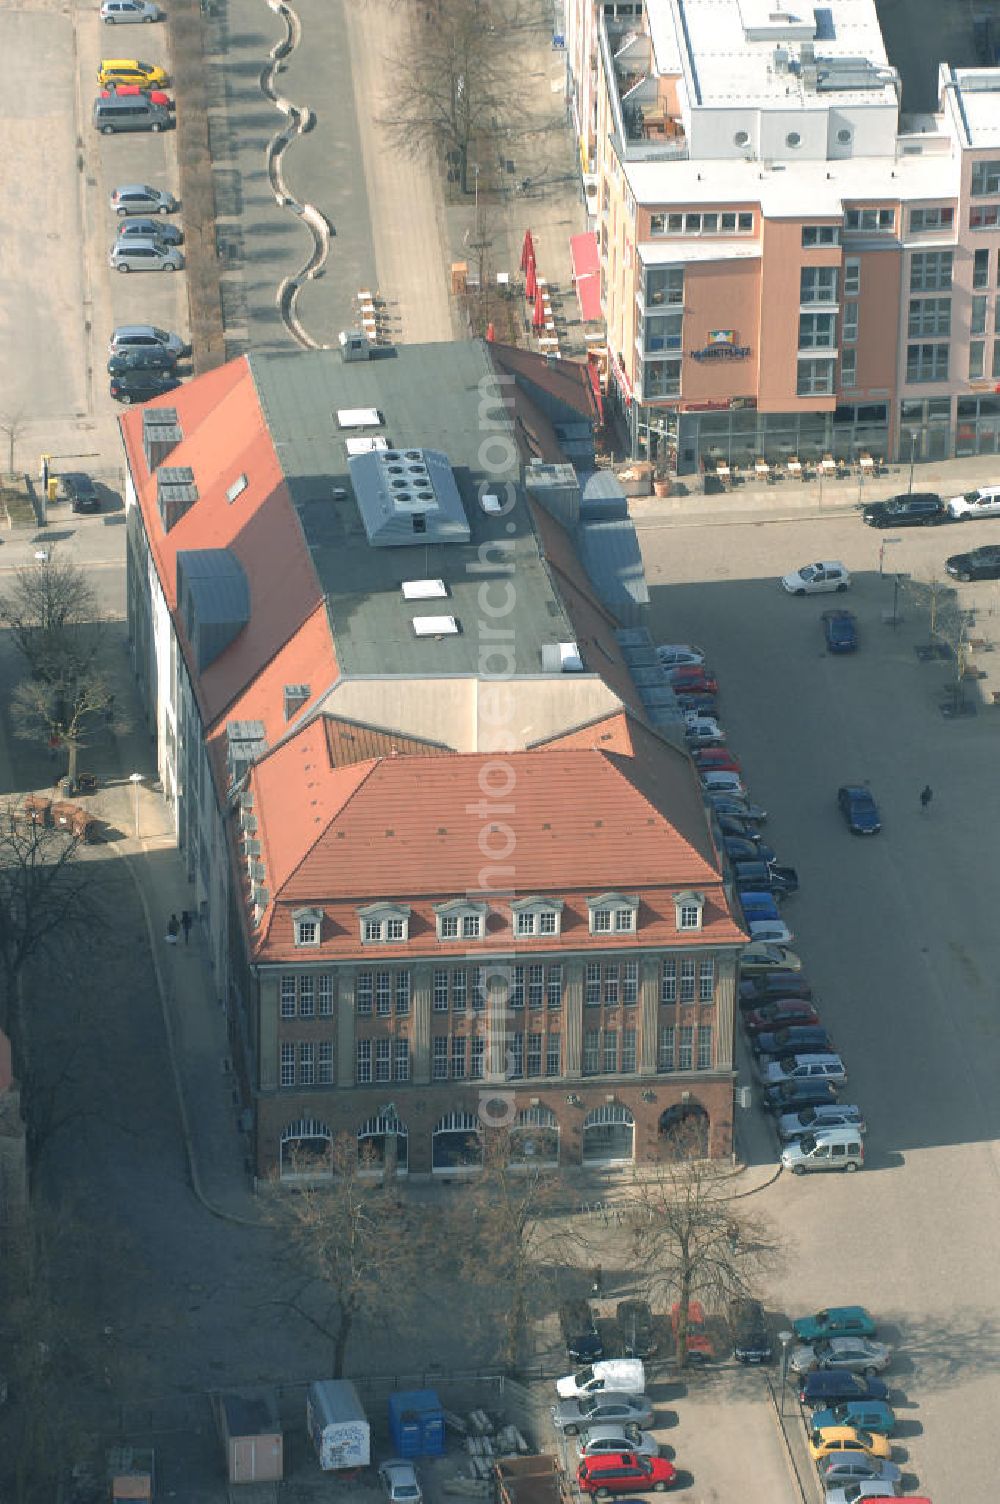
x=337 y=1424
x=252 y=1437
x=416 y=1423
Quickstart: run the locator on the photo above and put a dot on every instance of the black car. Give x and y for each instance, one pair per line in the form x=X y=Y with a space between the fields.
x=840 y=629
x=978 y=564
x=769 y=986
x=751 y=1344
x=831 y=1386
x=79 y=490
x=916 y=509
x=769 y=877
x=735 y=825
x=139 y=386
x=635 y=1323
x=579 y=1329
x=859 y=809
x=155 y=358
x=739 y=850
x=789 y=1096
x=791 y=1039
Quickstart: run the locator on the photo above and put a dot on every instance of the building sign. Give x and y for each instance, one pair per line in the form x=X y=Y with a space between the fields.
x=735 y=404
x=721 y=346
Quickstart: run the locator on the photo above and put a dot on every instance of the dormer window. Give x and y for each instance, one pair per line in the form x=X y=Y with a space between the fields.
x=384 y=924
x=307 y=925
x=459 y=917
x=613 y=913
x=537 y=916
x=689 y=908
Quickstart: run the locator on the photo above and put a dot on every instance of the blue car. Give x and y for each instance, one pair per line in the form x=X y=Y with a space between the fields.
x=859 y=810
x=840 y=629
x=866 y=1415
x=758 y=906
x=832 y=1386
x=740 y=850
x=796 y=1039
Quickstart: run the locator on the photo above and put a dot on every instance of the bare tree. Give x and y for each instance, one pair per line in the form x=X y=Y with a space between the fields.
x=503 y=1227
x=351 y=1245
x=454 y=80
x=54 y=619
x=691 y=1240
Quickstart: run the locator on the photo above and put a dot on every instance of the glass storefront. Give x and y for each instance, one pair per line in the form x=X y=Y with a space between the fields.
x=741 y=436
x=924 y=429
x=977 y=430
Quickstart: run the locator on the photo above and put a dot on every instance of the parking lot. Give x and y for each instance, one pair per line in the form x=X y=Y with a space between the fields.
x=897 y=932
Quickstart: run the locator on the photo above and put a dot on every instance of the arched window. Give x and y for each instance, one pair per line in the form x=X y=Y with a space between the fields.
x=534 y=1138
x=608 y=1135
x=683 y=1131
x=380 y=1140
x=306 y=1149
x=456 y=1143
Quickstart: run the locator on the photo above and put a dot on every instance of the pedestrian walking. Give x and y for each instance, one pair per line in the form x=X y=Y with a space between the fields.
x=926 y=795
x=186 y=922
x=597 y=1282
x=173 y=929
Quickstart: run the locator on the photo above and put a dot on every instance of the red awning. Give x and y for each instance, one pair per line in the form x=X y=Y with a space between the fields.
x=587 y=275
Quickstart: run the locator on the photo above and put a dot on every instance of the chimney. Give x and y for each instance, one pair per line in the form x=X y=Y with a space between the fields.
x=161 y=433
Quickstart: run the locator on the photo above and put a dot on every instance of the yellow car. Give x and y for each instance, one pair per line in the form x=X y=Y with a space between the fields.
x=128 y=70
x=834 y=1441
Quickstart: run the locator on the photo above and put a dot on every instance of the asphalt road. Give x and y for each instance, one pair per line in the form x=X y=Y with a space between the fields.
x=897 y=932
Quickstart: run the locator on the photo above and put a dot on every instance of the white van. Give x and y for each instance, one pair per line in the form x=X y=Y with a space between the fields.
x=616 y=1375
x=826 y=1149
x=983 y=502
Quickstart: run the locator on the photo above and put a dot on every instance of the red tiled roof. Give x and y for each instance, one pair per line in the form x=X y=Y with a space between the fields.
x=567 y=380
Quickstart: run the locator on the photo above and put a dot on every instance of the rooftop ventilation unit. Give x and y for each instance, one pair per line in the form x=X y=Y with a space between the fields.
x=435 y=626
x=561 y=658
x=366 y=446
x=424 y=590
x=161 y=433
x=359 y=417
x=237 y=488
x=354 y=345
x=176 y=493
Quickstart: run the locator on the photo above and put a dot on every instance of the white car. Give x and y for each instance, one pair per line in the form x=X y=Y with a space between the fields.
x=702 y=730
x=813 y=579
x=120 y=12
x=399 y=1482
x=770 y=931
x=795 y=1125
x=721 y=781
x=983 y=502
x=679 y=654
x=856 y=1493
x=815 y=1066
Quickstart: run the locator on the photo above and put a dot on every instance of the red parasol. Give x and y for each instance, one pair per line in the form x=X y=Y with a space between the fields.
x=538 y=317
x=527 y=250
x=530 y=285
x=491 y=333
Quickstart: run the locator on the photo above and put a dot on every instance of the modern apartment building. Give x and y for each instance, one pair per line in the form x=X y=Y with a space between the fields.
x=789 y=265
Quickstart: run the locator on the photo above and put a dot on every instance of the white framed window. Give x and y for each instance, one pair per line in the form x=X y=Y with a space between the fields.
x=553 y=987
x=624 y=921
x=478 y=1056
x=612 y=912
x=848 y=369
x=687 y=979
x=472 y=926
x=611 y=980
x=977 y=359
x=870 y=221
x=383 y=1059
x=306 y=932
x=440 y=994
x=515 y=1062
x=395 y=929
x=931 y=317
x=817 y=331
x=927 y=362
x=448 y=926
x=534 y=1062
x=324 y=1062
x=592 y=983
x=363 y=1062
x=553 y=1055
x=931 y=219
x=668 y=980
x=689 y=908
x=325 y=994
x=985 y=178
x=817 y=284
x=814 y=235
x=373 y=929
x=288 y=996
x=459 y=991
x=591 y=1051
x=287 y=1077
x=401 y=1060
x=930 y=271
x=525 y=923
x=459 y=1052
x=705 y=1047
x=383 y=993
x=548 y=922
x=439 y=1056
x=610 y=1052
x=814 y=378
x=402 y=992
x=849 y=325
x=630 y=983
x=364 y=993
x=384 y=924
x=852 y=277
x=536 y=987
x=628 y=1050
x=685 y=1054
x=600 y=921
x=307 y=997
x=515 y=995
x=459 y=918
x=665 y=1048
x=307 y=1065
x=706 y=980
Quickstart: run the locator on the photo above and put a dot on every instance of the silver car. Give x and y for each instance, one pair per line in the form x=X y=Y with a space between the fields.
x=795 y=1125
x=150 y=229
x=126 y=12
x=616 y=1439
x=573 y=1416
x=399 y=1482
x=821 y=1066
x=856 y=1354
x=867 y=1488
x=146 y=337
x=856 y=1467
x=144 y=256
x=141 y=198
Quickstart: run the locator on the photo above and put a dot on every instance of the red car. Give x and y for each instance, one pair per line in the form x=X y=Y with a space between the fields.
x=779 y=1015
x=156 y=96
x=699 y=1344
x=624 y=1473
x=716 y=760
x=693 y=679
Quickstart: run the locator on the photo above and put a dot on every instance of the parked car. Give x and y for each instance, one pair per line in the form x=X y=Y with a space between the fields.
x=834 y=1440
x=830 y=1386
x=111 y=114
x=574 y=1415
x=624 y=1473
x=870 y=1415
x=130 y=91
x=121 y=70
x=693 y=678
x=79 y=490
x=859 y=809
x=619 y=1375
x=979 y=564
x=674 y=654
x=152 y=359
x=786 y=1013
x=740 y=849
x=840 y=628
x=722 y=781
x=849 y=1467
x=144 y=256
x=856 y=1354
x=812 y=579
x=984 y=501
x=635 y=1323
x=139 y=386
x=735 y=804
x=757 y=904
x=789 y=1039
x=751 y=1343
x=399 y=1482
x=866 y=1488
x=792 y=1095
x=795 y=1125
x=150 y=229
x=812 y=1066
x=125 y=12
x=769 y=877
x=738 y=827
x=915 y=509
x=142 y=198
x=757 y=958
x=705 y=758
x=147 y=337
x=693 y=701
x=824 y=1149
x=769 y=987
x=700 y=1347
x=579 y=1330
x=835 y=1321
x=600 y=1440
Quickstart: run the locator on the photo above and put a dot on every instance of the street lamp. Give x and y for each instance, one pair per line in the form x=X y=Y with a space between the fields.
x=785 y=1338
x=913 y=456
x=886 y=543
x=135 y=779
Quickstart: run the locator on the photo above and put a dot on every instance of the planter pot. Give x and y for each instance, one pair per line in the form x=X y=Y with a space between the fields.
x=662 y=485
